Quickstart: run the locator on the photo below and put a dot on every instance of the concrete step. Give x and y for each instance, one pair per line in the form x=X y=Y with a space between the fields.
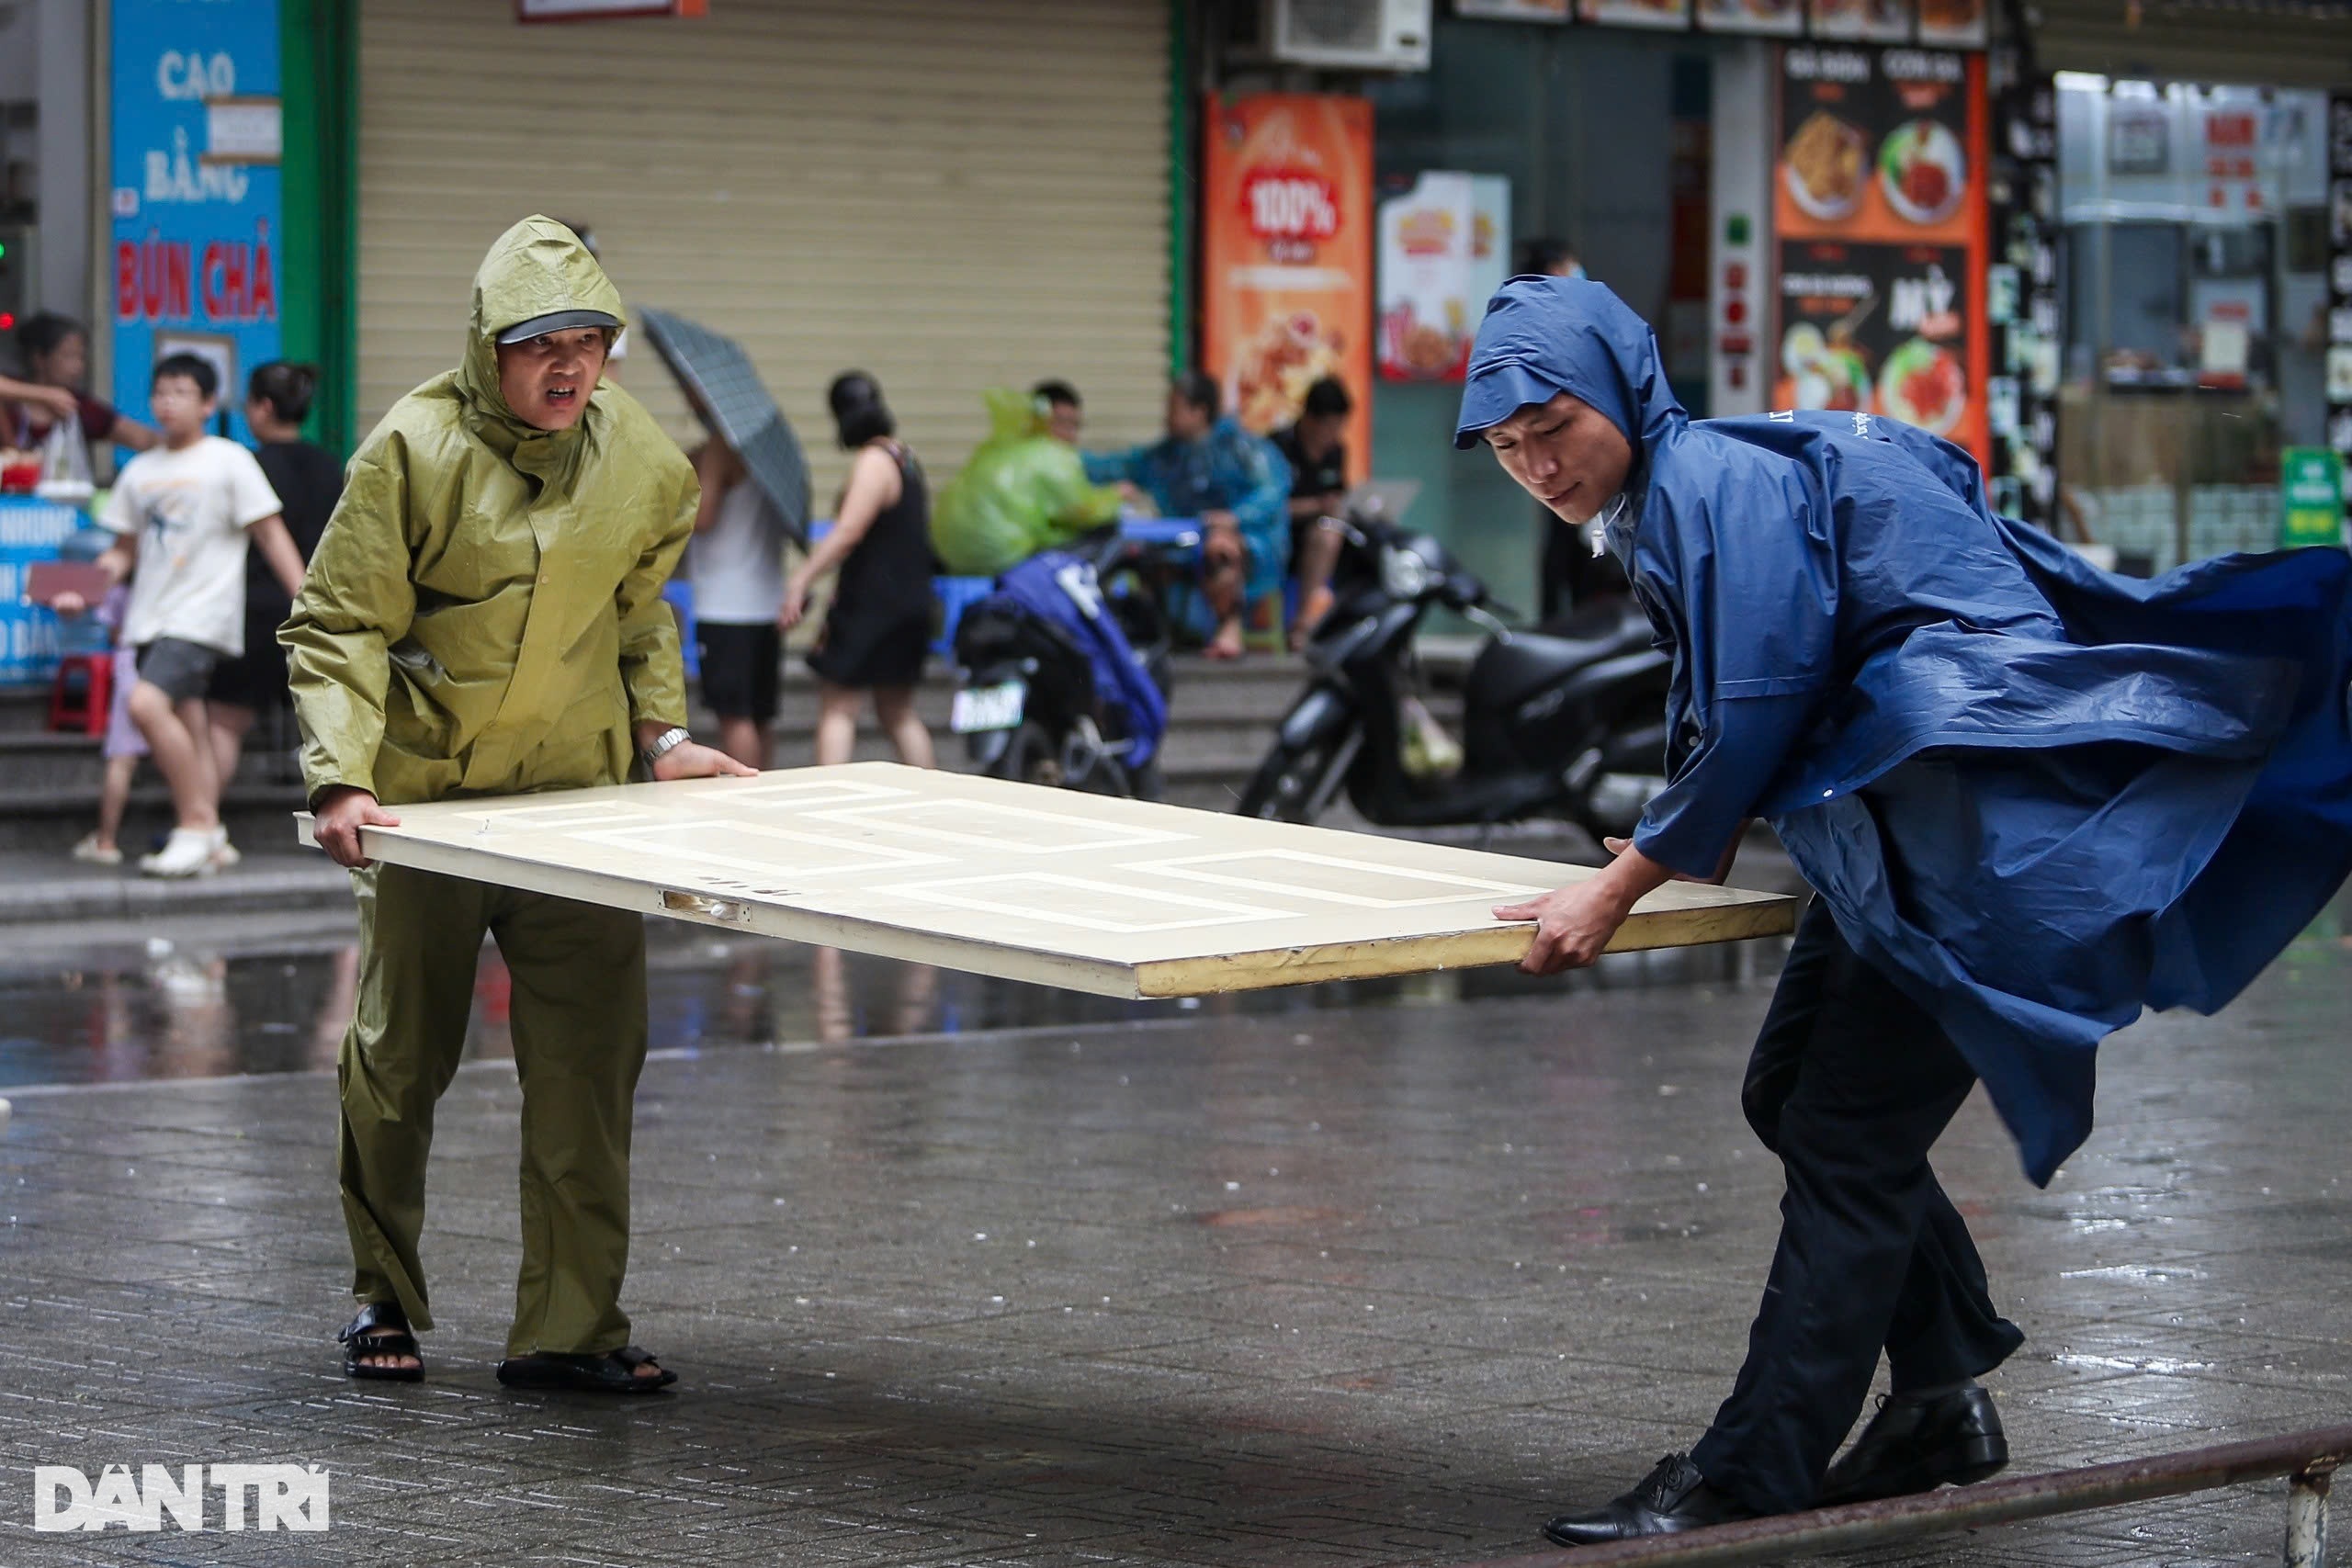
x=39 y=761
x=1261 y=685
x=50 y=820
x=23 y=709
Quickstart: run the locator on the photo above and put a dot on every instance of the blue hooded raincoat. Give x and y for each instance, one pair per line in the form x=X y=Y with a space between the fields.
x=2036 y=796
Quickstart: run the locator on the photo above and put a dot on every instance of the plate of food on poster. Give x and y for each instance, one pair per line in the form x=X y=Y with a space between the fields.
x=1822 y=165
x=1277 y=363
x=1923 y=384
x=1922 y=171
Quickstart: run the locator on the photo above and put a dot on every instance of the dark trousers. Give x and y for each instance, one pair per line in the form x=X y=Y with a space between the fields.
x=1850 y=1084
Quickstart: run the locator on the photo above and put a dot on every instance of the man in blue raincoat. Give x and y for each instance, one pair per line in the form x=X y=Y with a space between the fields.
x=2031 y=798
x=1208 y=467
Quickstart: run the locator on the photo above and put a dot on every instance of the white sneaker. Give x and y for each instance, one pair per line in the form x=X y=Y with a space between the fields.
x=91 y=852
x=224 y=853
x=188 y=852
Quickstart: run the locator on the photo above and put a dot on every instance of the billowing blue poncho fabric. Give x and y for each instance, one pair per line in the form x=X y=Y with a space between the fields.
x=2037 y=796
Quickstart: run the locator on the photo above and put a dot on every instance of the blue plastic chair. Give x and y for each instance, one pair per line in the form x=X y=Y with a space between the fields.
x=681 y=596
x=955 y=595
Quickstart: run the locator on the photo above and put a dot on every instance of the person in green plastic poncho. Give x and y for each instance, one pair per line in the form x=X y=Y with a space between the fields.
x=483 y=616
x=1022 y=490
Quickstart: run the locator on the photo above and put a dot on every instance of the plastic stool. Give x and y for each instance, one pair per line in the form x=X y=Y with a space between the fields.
x=680 y=595
x=84 y=690
x=955 y=595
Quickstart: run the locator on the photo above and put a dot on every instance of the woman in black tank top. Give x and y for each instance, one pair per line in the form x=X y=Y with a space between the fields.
x=878 y=631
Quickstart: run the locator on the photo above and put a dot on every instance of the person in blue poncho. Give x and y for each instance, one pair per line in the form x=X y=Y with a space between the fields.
x=2032 y=798
x=1236 y=483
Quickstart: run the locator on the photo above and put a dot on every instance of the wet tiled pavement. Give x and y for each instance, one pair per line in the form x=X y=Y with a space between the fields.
x=1288 y=1285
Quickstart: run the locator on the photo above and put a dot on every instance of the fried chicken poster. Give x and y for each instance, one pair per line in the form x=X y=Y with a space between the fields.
x=1286 y=234
x=1879 y=202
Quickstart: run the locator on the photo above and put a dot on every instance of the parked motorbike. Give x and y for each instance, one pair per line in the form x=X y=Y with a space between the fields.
x=1043 y=697
x=1567 y=724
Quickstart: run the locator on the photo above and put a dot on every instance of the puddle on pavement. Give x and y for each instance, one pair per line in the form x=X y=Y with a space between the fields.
x=271 y=994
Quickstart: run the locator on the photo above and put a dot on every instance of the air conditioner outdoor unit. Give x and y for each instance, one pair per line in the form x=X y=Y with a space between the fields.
x=1350 y=34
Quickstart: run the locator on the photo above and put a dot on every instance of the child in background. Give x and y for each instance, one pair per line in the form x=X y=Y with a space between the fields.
x=182 y=511
x=123 y=745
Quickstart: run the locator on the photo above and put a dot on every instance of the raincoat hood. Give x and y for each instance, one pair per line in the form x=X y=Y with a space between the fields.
x=536 y=269
x=1546 y=336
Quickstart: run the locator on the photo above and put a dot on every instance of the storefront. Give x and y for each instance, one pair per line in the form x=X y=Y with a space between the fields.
x=2198 y=243
x=1795 y=197
x=949 y=194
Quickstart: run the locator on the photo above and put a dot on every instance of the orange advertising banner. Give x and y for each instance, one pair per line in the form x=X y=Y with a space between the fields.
x=1881 y=227
x=1286 y=232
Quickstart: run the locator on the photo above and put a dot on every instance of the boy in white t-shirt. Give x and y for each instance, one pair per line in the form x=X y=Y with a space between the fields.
x=184 y=511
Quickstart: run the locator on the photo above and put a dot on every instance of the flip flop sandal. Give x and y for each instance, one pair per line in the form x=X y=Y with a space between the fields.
x=358 y=1343
x=615 y=1372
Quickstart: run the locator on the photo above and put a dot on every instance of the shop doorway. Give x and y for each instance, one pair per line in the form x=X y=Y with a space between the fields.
x=1604 y=136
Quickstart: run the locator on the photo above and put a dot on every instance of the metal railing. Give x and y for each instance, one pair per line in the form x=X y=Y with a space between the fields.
x=2309 y=1458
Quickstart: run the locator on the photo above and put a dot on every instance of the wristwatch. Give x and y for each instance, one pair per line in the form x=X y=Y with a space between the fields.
x=663 y=744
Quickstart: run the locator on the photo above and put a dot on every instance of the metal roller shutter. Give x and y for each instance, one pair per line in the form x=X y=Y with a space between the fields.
x=950 y=194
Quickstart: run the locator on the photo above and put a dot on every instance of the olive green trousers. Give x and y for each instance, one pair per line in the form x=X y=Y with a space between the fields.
x=578 y=1014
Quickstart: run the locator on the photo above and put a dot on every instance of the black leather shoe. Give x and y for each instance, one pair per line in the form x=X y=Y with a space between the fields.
x=1918 y=1445
x=1672 y=1498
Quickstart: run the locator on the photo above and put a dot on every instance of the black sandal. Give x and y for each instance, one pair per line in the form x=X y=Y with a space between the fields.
x=615 y=1372
x=359 y=1344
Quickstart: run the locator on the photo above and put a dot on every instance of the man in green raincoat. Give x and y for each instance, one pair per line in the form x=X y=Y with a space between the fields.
x=483 y=616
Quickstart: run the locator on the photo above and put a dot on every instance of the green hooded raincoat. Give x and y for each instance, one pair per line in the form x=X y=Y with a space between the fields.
x=483 y=616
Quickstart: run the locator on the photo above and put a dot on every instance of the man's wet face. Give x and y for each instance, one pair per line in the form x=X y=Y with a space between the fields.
x=546 y=380
x=1565 y=453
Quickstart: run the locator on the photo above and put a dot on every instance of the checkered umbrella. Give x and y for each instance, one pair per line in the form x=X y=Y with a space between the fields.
x=716 y=371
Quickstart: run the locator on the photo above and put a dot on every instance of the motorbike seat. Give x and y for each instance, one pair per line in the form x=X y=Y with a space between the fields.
x=1507 y=673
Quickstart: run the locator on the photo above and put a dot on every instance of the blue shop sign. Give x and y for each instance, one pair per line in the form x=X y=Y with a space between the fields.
x=197 y=200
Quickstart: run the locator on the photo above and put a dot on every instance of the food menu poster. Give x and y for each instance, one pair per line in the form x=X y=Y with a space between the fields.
x=1444 y=241
x=1287 y=237
x=1879 y=206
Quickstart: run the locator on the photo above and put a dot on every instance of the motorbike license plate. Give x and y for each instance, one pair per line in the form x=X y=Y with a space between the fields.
x=979 y=708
